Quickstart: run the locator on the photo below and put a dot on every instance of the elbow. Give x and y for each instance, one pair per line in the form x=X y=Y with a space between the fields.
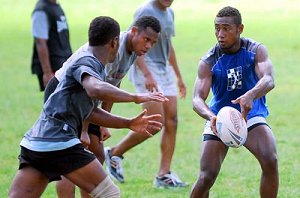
x=92 y=93
x=271 y=84
x=194 y=102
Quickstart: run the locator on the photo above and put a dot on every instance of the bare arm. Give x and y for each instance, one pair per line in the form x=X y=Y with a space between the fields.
x=201 y=91
x=43 y=53
x=150 y=82
x=264 y=71
x=173 y=62
x=103 y=91
x=138 y=124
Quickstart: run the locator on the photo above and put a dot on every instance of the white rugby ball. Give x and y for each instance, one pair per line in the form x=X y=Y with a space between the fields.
x=231 y=127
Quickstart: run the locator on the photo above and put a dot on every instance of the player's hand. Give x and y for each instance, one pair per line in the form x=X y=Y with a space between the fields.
x=150 y=97
x=105 y=134
x=85 y=139
x=182 y=88
x=47 y=77
x=150 y=83
x=246 y=104
x=140 y=123
x=213 y=126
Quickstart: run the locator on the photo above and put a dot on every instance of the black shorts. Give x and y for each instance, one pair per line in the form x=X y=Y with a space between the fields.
x=53 y=164
x=94 y=130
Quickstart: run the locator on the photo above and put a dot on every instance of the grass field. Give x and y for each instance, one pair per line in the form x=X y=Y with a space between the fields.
x=275 y=23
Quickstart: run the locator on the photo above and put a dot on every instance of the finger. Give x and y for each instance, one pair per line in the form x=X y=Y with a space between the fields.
x=155 y=123
x=149 y=134
x=143 y=113
x=235 y=101
x=153 y=117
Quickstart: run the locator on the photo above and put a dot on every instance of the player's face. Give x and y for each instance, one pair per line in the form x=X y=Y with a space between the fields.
x=228 y=33
x=164 y=3
x=142 y=41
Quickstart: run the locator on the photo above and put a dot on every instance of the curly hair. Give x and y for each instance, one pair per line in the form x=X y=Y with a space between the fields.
x=103 y=29
x=147 y=21
x=230 y=12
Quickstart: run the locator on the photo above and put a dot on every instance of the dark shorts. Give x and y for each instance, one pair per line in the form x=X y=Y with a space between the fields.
x=214 y=137
x=94 y=130
x=53 y=164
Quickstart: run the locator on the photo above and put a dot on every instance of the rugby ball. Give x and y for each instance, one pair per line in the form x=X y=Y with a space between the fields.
x=231 y=127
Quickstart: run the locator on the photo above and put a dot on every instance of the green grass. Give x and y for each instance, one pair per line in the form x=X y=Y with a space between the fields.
x=272 y=22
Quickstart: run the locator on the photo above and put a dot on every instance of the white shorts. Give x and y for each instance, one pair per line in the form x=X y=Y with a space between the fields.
x=165 y=79
x=252 y=122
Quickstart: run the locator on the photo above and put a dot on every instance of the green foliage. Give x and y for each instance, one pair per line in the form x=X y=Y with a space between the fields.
x=274 y=23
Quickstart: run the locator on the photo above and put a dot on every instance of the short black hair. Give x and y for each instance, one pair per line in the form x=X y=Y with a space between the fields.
x=102 y=30
x=231 y=12
x=147 y=21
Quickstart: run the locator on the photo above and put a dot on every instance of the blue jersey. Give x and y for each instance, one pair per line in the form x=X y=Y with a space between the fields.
x=233 y=75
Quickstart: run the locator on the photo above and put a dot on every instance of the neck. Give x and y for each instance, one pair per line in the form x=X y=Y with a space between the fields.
x=160 y=6
x=101 y=53
x=234 y=48
x=53 y=1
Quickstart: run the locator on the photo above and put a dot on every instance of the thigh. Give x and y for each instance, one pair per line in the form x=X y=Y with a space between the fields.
x=28 y=182
x=261 y=142
x=213 y=153
x=154 y=108
x=88 y=176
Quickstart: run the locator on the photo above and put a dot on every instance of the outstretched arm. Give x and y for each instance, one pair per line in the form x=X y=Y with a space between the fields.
x=103 y=91
x=265 y=73
x=138 y=124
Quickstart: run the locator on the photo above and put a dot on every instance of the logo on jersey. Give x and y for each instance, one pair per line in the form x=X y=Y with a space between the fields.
x=62 y=24
x=234 y=77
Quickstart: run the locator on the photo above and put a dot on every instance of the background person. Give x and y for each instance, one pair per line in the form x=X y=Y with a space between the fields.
x=155 y=71
x=51 y=46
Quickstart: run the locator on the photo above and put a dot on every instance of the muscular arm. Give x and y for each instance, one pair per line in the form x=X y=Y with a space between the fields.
x=103 y=91
x=201 y=91
x=138 y=124
x=265 y=73
x=107 y=105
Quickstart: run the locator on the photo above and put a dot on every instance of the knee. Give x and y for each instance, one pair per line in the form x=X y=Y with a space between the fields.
x=106 y=189
x=270 y=163
x=207 y=178
x=172 y=121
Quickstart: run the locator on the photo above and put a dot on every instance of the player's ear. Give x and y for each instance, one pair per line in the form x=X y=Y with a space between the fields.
x=115 y=42
x=134 y=30
x=240 y=28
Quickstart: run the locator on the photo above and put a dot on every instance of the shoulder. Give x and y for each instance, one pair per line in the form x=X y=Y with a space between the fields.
x=212 y=56
x=145 y=9
x=88 y=61
x=250 y=44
